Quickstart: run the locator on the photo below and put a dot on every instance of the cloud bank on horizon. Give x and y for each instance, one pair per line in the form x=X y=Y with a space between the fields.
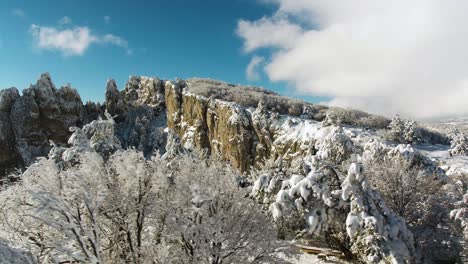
x=386 y=57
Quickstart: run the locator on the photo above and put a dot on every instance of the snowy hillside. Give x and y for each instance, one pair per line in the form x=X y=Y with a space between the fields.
x=201 y=171
x=444 y=124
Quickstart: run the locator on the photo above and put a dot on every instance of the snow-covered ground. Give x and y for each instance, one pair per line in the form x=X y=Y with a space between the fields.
x=439 y=152
x=456 y=164
x=460 y=122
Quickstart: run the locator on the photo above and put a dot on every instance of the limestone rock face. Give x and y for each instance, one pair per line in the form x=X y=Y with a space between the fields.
x=45 y=95
x=173 y=93
x=230 y=133
x=219 y=128
x=215 y=127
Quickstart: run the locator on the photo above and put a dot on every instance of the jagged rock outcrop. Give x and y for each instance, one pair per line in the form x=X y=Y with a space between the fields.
x=42 y=113
x=139 y=92
x=139 y=112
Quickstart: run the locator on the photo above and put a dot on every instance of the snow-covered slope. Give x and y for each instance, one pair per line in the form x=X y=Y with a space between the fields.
x=312 y=167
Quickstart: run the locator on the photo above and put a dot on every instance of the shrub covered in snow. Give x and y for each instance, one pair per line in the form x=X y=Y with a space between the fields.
x=98 y=136
x=10 y=255
x=405 y=188
x=335 y=147
x=403 y=131
x=128 y=209
x=173 y=146
x=339 y=117
x=418 y=193
x=432 y=137
x=102 y=137
x=376 y=152
x=459 y=213
x=458 y=143
x=351 y=213
x=217 y=223
x=376 y=231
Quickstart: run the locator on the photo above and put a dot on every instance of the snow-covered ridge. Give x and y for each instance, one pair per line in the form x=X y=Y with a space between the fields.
x=319 y=171
x=44 y=112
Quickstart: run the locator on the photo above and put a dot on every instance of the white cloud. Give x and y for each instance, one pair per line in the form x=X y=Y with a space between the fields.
x=68 y=41
x=71 y=41
x=65 y=20
x=386 y=57
x=252 y=69
x=268 y=32
x=118 y=41
x=107 y=19
x=18 y=12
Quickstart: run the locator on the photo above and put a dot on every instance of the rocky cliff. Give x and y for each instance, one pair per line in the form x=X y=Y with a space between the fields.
x=241 y=124
x=43 y=113
x=245 y=137
x=211 y=125
x=193 y=109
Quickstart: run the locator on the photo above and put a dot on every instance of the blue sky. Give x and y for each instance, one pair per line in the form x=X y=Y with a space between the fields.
x=164 y=38
x=384 y=57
